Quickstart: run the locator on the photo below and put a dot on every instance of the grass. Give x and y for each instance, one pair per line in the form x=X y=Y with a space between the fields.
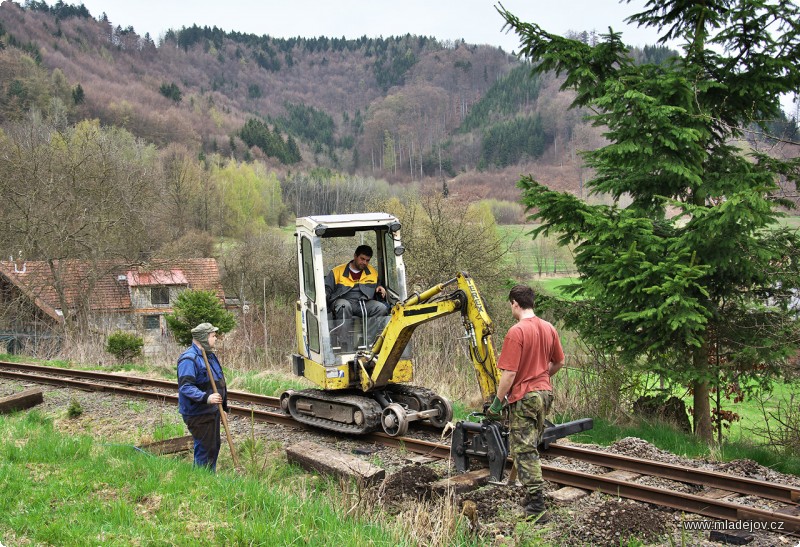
x=789 y=222
x=63 y=490
x=263 y=383
x=557 y=286
x=542 y=255
x=63 y=363
x=750 y=413
x=164 y=431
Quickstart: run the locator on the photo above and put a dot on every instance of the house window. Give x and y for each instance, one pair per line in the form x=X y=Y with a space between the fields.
x=159 y=296
x=152 y=322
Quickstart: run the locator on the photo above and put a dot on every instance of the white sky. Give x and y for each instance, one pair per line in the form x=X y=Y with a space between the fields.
x=476 y=21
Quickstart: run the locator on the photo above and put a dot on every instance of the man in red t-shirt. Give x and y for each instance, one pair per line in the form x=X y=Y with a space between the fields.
x=531 y=354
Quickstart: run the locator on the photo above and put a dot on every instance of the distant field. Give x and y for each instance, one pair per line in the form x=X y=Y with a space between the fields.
x=536 y=257
x=543 y=256
x=790 y=222
x=556 y=286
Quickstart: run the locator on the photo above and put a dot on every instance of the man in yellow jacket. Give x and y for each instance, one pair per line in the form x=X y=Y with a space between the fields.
x=352 y=289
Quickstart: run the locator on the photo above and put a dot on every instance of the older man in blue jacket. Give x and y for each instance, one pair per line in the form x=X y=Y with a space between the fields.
x=197 y=402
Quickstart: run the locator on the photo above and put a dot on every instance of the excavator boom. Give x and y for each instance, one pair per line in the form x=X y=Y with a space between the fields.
x=377 y=366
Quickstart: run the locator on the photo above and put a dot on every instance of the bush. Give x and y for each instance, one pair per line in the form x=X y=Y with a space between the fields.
x=194 y=307
x=124 y=346
x=506 y=212
x=75 y=409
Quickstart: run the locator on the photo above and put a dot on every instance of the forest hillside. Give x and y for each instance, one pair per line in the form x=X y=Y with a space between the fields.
x=402 y=108
x=252 y=130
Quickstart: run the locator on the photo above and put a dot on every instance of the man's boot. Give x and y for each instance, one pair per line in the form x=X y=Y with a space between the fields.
x=535 y=510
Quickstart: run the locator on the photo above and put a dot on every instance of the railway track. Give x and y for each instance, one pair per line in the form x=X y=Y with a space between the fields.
x=785 y=519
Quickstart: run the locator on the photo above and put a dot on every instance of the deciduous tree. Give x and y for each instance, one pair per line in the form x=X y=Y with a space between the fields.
x=250 y=197
x=81 y=192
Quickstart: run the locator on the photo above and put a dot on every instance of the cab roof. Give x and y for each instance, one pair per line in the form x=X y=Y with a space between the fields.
x=352 y=222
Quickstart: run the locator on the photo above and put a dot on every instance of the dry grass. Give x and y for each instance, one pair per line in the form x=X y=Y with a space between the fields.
x=263 y=339
x=434 y=522
x=441 y=362
x=592 y=387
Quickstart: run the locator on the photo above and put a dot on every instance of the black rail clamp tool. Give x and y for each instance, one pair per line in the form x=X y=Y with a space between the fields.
x=487 y=441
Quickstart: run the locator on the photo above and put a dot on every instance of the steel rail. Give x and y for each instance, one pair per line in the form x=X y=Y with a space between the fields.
x=676 y=500
x=714 y=479
x=79 y=384
x=723 y=510
x=133 y=380
x=263 y=415
x=779 y=492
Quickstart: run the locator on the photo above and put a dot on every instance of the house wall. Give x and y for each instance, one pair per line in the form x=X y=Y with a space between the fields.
x=145 y=312
x=23 y=325
x=109 y=322
x=141 y=297
x=155 y=337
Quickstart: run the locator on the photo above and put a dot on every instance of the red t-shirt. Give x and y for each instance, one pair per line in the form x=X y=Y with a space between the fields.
x=529 y=348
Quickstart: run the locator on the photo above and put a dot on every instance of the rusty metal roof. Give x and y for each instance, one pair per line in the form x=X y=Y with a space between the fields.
x=156 y=277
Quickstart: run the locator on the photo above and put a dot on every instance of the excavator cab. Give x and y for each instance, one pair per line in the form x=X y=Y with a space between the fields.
x=326 y=345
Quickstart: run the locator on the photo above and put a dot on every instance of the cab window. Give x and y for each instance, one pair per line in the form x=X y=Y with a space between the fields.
x=308 y=270
x=392 y=281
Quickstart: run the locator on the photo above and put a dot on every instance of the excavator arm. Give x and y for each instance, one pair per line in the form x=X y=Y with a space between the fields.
x=376 y=366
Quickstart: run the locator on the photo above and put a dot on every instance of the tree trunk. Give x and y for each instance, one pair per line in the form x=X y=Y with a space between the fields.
x=701 y=414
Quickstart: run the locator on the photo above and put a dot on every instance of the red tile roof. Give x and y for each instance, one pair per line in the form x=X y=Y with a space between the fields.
x=105 y=281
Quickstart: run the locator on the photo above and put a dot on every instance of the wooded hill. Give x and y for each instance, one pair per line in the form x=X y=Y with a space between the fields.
x=401 y=108
x=408 y=108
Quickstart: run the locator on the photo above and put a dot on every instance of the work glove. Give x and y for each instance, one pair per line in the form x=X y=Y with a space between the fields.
x=494 y=410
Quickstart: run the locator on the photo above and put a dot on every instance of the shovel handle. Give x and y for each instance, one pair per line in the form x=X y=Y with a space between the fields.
x=221 y=411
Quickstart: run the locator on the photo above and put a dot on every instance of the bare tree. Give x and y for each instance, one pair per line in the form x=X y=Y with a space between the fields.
x=82 y=192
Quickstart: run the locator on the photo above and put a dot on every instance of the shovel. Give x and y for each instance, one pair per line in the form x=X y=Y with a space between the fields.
x=221 y=412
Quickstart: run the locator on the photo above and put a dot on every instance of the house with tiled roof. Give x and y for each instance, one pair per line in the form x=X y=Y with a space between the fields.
x=37 y=297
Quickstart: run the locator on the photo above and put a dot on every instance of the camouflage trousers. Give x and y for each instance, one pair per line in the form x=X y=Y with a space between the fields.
x=526 y=427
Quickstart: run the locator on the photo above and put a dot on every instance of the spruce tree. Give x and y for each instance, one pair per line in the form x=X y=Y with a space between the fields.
x=694 y=277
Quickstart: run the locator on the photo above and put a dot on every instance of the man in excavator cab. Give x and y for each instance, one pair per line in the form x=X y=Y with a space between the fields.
x=352 y=289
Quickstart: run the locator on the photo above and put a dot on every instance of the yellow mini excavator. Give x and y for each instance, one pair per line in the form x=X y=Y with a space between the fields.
x=362 y=366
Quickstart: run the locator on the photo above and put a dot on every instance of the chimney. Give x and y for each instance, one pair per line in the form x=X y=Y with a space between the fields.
x=24 y=266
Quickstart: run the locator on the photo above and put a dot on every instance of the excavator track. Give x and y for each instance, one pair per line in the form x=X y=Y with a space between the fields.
x=341 y=412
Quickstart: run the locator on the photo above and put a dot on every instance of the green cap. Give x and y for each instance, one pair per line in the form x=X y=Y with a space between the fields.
x=203 y=330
